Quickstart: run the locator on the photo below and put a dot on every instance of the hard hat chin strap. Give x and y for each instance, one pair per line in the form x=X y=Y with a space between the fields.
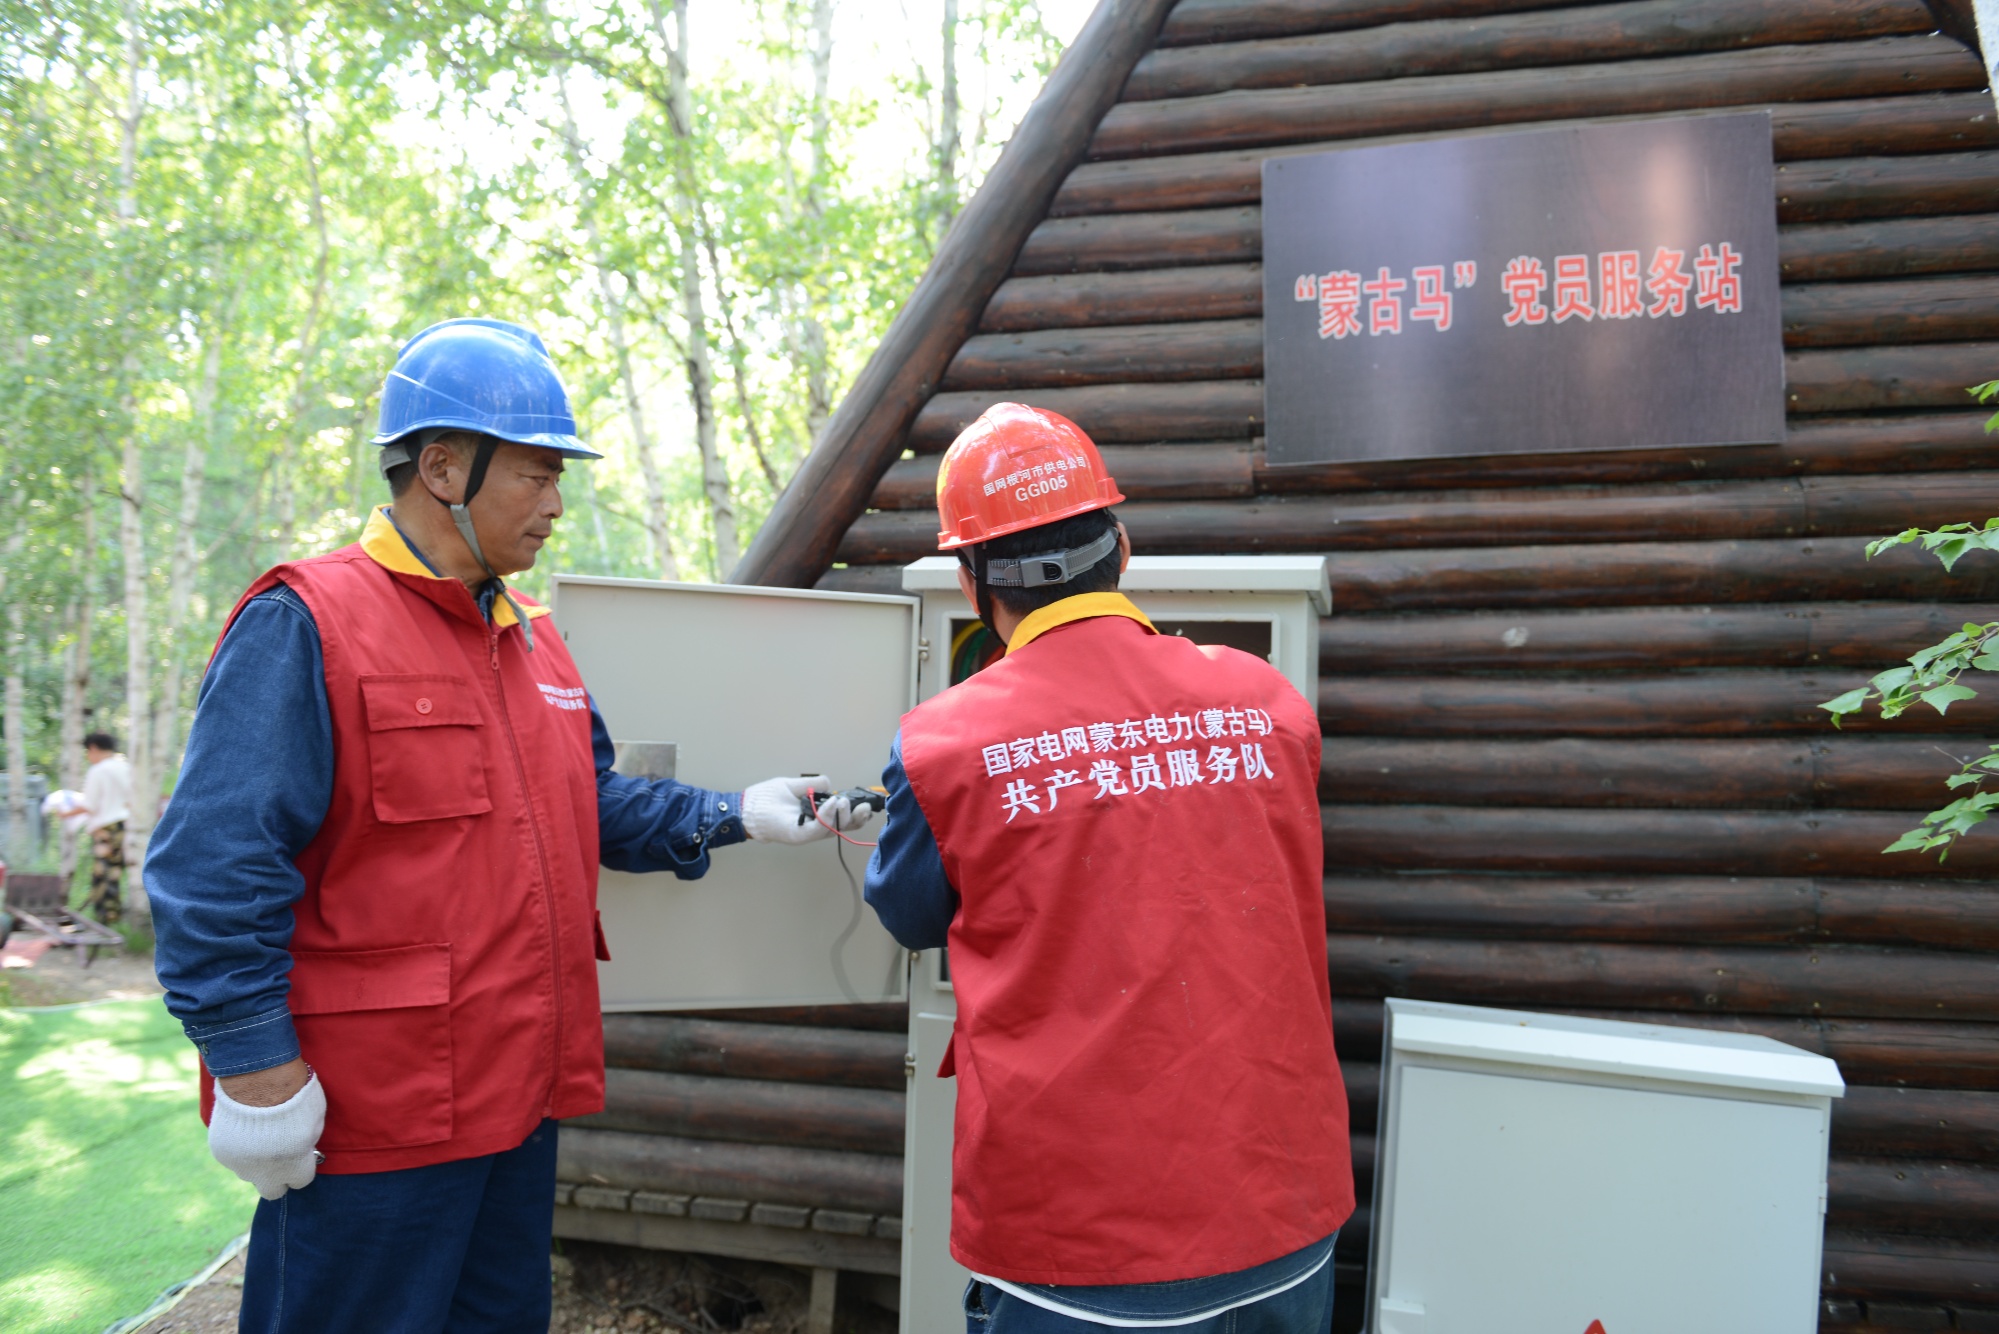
x=1051 y=567
x=461 y=518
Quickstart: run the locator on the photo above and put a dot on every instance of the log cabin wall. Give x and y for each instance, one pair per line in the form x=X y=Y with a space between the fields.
x=1572 y=755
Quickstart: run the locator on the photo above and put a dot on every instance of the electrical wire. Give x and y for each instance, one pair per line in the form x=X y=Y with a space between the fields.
x=838 y=952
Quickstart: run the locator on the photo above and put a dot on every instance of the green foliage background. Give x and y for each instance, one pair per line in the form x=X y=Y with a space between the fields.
x=219 y=220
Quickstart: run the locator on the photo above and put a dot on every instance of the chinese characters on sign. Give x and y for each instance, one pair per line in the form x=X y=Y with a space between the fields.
x=1100 y=746
x=1601 y=287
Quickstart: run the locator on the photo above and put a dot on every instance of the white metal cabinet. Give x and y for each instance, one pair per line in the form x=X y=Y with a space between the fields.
x=1540 y=1172
x=746 y=683
x=1269 y=605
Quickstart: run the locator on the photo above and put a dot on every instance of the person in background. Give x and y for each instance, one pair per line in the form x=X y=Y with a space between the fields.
x=107 y=798
x=375 y=888
x=1117 y=833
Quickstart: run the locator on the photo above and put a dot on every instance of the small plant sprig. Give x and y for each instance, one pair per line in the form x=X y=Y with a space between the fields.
x=1932 y=677
x=1941 y=828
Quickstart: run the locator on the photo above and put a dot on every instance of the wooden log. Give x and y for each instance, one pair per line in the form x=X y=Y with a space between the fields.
x=1363 y=1081
x=1902 y=1195
x=1875 y=378
x=1935 y=123
x=1932 y=915
x=1699 y=510
x=1213 y=292
x=1194 y=22
x=1648 y=574
x=1831 y=446
x=1877 y=1267
x=1142 y=241
x=1143 y=472
x=754 y=1051
x=1811 y=981
x=877 y=579
x=1547 y=37
x=1869 y=1051
x=753 y=1111
x=1901 y=773
x=1845 y=634
x=1637 y=842
x=1882 y=187
x=1888 y=248
x=1918 y=310
x=1135 y=414
x=1915 y=1123
x=766 y=1173
x=1801 y=73
x=1137 y=353
x=873 y=1016
x=1636 y=909
x=796 y=542
x=1702 y=704
x=1134 y=260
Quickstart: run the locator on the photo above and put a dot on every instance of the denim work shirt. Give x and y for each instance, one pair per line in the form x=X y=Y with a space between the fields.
x=254 y=788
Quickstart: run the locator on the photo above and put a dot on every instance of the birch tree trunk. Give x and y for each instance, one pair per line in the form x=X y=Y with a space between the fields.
x=811 y=334
x=947 y=125
x=693 y=305
x=15 y=724
x=613 y=302
x=186 y=563
x=132 y=538
x=308 y=337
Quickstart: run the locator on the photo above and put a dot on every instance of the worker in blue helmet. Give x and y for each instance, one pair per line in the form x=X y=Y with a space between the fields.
x=374 y=889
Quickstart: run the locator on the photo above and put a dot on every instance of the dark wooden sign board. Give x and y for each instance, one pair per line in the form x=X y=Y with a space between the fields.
x=1596 y=287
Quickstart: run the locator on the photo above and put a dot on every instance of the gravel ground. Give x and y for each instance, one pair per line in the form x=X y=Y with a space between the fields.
x=613 y=1290
x=57 y=978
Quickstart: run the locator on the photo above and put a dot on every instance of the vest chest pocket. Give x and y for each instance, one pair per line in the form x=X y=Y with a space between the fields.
x=426 y=752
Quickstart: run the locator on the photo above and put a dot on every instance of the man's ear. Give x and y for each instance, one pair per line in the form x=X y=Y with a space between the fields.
x=1123 y=547
x=967 y=587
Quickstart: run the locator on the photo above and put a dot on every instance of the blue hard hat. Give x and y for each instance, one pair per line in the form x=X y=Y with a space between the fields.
x=479 y=375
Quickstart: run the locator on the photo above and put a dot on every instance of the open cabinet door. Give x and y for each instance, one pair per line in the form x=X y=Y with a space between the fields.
x=746 y=683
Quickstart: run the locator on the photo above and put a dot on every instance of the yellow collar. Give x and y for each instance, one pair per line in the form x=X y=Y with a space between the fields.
x=388 y=548
x=1081 y=607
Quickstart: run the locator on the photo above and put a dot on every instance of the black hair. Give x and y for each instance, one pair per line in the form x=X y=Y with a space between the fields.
x=1078 y=530
x=100 y=741
x=400 y=478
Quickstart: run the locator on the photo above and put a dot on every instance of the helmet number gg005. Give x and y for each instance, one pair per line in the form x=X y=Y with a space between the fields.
x=1017 y=467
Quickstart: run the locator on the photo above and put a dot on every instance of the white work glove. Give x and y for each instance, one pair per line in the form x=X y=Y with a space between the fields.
x=272 y=1148
x=771 y=811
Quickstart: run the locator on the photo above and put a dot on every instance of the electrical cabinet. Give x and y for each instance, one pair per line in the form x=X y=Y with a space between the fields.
x=1266 y=605
x=729 y=685
x=1540 y=1172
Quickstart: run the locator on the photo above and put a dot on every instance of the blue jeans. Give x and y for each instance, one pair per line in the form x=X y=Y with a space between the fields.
x=1306 y=1308
x=454 y=1248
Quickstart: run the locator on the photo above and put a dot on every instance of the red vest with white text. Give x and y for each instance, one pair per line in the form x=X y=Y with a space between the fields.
x=443 y=979
x=1147 y=1089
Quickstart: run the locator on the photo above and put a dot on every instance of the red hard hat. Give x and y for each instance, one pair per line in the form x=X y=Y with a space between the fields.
x=1017 y=467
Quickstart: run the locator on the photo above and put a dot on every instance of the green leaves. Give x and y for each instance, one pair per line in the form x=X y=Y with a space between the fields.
x=1986 y=393
x=1930 y=678
x=1941 y=828
x=1949 y=543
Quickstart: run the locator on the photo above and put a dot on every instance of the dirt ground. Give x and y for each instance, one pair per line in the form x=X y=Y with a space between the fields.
x=57 y=977
x=613 y=1290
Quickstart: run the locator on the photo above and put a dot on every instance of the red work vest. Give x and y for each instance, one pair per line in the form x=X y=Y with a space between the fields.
x=443 y=978
x=1147 y=1089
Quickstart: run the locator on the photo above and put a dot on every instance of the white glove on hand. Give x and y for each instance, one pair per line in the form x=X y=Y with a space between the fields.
x=771 y=810
x=269 y=1147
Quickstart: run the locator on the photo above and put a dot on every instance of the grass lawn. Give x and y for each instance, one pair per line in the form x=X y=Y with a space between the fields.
x=107 y=1192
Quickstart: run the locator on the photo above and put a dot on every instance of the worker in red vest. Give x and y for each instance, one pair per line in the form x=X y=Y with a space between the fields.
x=375 y=887
x=1117 y=832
